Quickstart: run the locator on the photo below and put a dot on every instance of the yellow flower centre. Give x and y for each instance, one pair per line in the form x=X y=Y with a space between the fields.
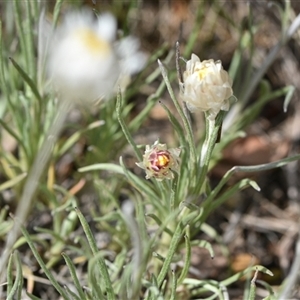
x=203 y=72
x=92 y=42
x=162 y=160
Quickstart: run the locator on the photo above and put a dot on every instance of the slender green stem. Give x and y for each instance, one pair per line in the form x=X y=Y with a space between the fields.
x=212 y=131
x=125 y=128
x=181 y=84
x=178 y=234
x=186 y=124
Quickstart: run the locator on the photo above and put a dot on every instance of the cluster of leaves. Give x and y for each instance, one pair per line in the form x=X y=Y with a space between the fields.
x=158 y=221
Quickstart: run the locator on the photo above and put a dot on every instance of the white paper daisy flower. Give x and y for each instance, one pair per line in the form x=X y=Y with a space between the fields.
x=84 y=62
x=207 y=86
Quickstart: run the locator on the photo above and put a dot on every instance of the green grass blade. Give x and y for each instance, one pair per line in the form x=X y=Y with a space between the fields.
x=239 y=275
x=29 y=39
x=56 y=11
x=32 y=297
x=103 y=166
x=19 y=20
x=252 y=291
x=19 y=276
x=94 y=281
x=9 y=274
x=72 y=295
x=174 y=286
x=14 y=135
x=49 y=275
x=206 y=245
x=210 y=206
x=288 y=97
x=72 y=270
x=151 y=101
x=255 y=168
x=159 y=223
x=27 y=79
x=176 y=125
x=12 y=182
x=88 y=232
x=100 y=260
x=125 y=128
x=173 y=247
x=75 y=137
x=142 y=186
x=16 y=290
x=187 y=260
x=269 y=288
x=4 y=87
x=3 y=213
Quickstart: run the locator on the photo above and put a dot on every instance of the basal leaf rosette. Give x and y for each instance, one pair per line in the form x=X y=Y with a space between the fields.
x=160 y=162
x=207 y=87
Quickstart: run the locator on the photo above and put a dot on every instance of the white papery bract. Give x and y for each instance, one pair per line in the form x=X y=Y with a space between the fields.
x=84 y=63
x=206 y=87
x=131 y=59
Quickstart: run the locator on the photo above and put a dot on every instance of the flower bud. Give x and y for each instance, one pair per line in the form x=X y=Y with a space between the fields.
x=160 y=162
x=206 y=87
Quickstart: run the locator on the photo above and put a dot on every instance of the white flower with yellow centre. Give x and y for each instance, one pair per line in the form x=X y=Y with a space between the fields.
x=84 y=63
x=206 y=86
